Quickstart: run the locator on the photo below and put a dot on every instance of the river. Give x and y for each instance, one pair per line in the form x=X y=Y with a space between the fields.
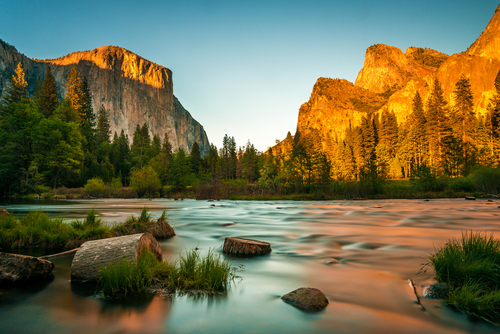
x=359 y=253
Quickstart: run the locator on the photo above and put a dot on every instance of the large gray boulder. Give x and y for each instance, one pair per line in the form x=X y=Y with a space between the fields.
x=15 y=269
x=306 y=299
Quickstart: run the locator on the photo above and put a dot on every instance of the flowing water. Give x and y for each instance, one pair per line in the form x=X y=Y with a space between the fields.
x=359 y=253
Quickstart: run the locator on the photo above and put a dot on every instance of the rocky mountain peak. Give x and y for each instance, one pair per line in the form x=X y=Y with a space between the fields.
x=488 y=43
x=122 y=61
x=387 y=68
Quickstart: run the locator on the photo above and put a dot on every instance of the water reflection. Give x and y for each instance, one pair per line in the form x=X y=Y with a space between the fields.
x=359 y=253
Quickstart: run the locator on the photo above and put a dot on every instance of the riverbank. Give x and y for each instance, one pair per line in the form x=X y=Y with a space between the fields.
x=378 y=189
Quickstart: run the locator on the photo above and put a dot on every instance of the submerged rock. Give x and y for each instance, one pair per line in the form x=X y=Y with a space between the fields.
x=436 y=291
x=245 y=247
x=306 y=299
x=15 y=269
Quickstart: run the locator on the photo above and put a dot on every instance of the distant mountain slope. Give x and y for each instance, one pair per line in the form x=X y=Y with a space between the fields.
x=132 y=89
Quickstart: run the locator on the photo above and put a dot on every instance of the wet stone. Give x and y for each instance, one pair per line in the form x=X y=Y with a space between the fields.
x=17 y=269
x=436 y=291
x=306 y=299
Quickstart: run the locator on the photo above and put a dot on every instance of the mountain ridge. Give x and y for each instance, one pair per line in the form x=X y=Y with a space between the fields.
x=133 y=90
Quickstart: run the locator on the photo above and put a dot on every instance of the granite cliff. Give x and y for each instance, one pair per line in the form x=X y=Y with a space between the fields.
x=390 y=79
x=132 y=89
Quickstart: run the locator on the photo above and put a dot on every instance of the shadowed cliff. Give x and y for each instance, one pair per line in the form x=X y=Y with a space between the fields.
x=132 y=89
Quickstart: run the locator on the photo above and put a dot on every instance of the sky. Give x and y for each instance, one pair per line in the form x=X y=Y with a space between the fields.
x=244 y=68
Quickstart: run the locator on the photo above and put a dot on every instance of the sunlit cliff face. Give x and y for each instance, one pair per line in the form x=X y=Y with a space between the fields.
x=125 y=62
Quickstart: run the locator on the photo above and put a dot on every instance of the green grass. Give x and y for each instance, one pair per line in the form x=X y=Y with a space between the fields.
x=124 y=278
x=471 y=268
x=136 y=224
x=190 y=272
x=37 y=229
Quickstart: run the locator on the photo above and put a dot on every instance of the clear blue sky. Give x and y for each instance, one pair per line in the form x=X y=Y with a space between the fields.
x=244 y=67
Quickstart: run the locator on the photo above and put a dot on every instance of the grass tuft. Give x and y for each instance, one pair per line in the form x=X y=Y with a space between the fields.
x=471 y=268
x=190 y=272
x=37 y=229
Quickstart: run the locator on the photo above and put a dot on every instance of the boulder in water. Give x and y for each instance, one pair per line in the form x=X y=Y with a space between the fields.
x=15 y=268
x=306 y=299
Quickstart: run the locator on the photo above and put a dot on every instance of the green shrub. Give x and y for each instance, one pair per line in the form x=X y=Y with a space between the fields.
x=487 y=179
x=95 y=187
x=471 y=268
x=146 y=182
x=462 y=184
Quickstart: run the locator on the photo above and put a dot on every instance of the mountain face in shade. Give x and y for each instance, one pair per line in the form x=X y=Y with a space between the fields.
x=390 y=79
x=133 y=90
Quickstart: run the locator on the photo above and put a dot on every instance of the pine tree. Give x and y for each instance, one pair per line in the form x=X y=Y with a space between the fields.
x=493 y=122
x=438 y=127
x=103 y=131
x=140 y=146
x=464 y=120
x=48 y=100
x=196 y=160
x=74 y=92
x=166 y=146
x=87 y=109
x=417 y=137
x=18 y=88
x=389 y=131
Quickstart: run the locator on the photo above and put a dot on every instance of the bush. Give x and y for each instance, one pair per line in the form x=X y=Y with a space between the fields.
x=487 y=179
x=95 y=187
x=146 y=182
x=423 y=179
x=462 y=184
x=471 y=268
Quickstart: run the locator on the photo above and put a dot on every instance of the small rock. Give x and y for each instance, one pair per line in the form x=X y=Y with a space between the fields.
x=306 y=299
x=436 y=291
x=331 y=261
x=470 y=198
x=426 y=200
x=16 y=268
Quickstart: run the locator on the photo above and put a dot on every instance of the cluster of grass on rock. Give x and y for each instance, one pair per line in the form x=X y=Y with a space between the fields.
x=190 y=272
x=37 y=229
x=471 y=269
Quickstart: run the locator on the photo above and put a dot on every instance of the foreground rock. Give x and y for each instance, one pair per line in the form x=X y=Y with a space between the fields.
x=96 y=254
x=306 y=299
x=15 y=269
x=436 y=291
x=245 y=247
x=161 y=229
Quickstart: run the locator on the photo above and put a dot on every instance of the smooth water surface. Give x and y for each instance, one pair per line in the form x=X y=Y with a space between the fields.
x=359 y=253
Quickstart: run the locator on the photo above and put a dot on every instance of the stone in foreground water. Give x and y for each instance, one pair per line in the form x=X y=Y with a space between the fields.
x=15 y=269
x=306 y=299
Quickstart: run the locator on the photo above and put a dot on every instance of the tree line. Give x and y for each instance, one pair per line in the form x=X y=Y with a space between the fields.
x=48 y=141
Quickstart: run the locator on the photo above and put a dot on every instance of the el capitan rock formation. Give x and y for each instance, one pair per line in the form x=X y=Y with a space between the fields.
x=132 y=89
